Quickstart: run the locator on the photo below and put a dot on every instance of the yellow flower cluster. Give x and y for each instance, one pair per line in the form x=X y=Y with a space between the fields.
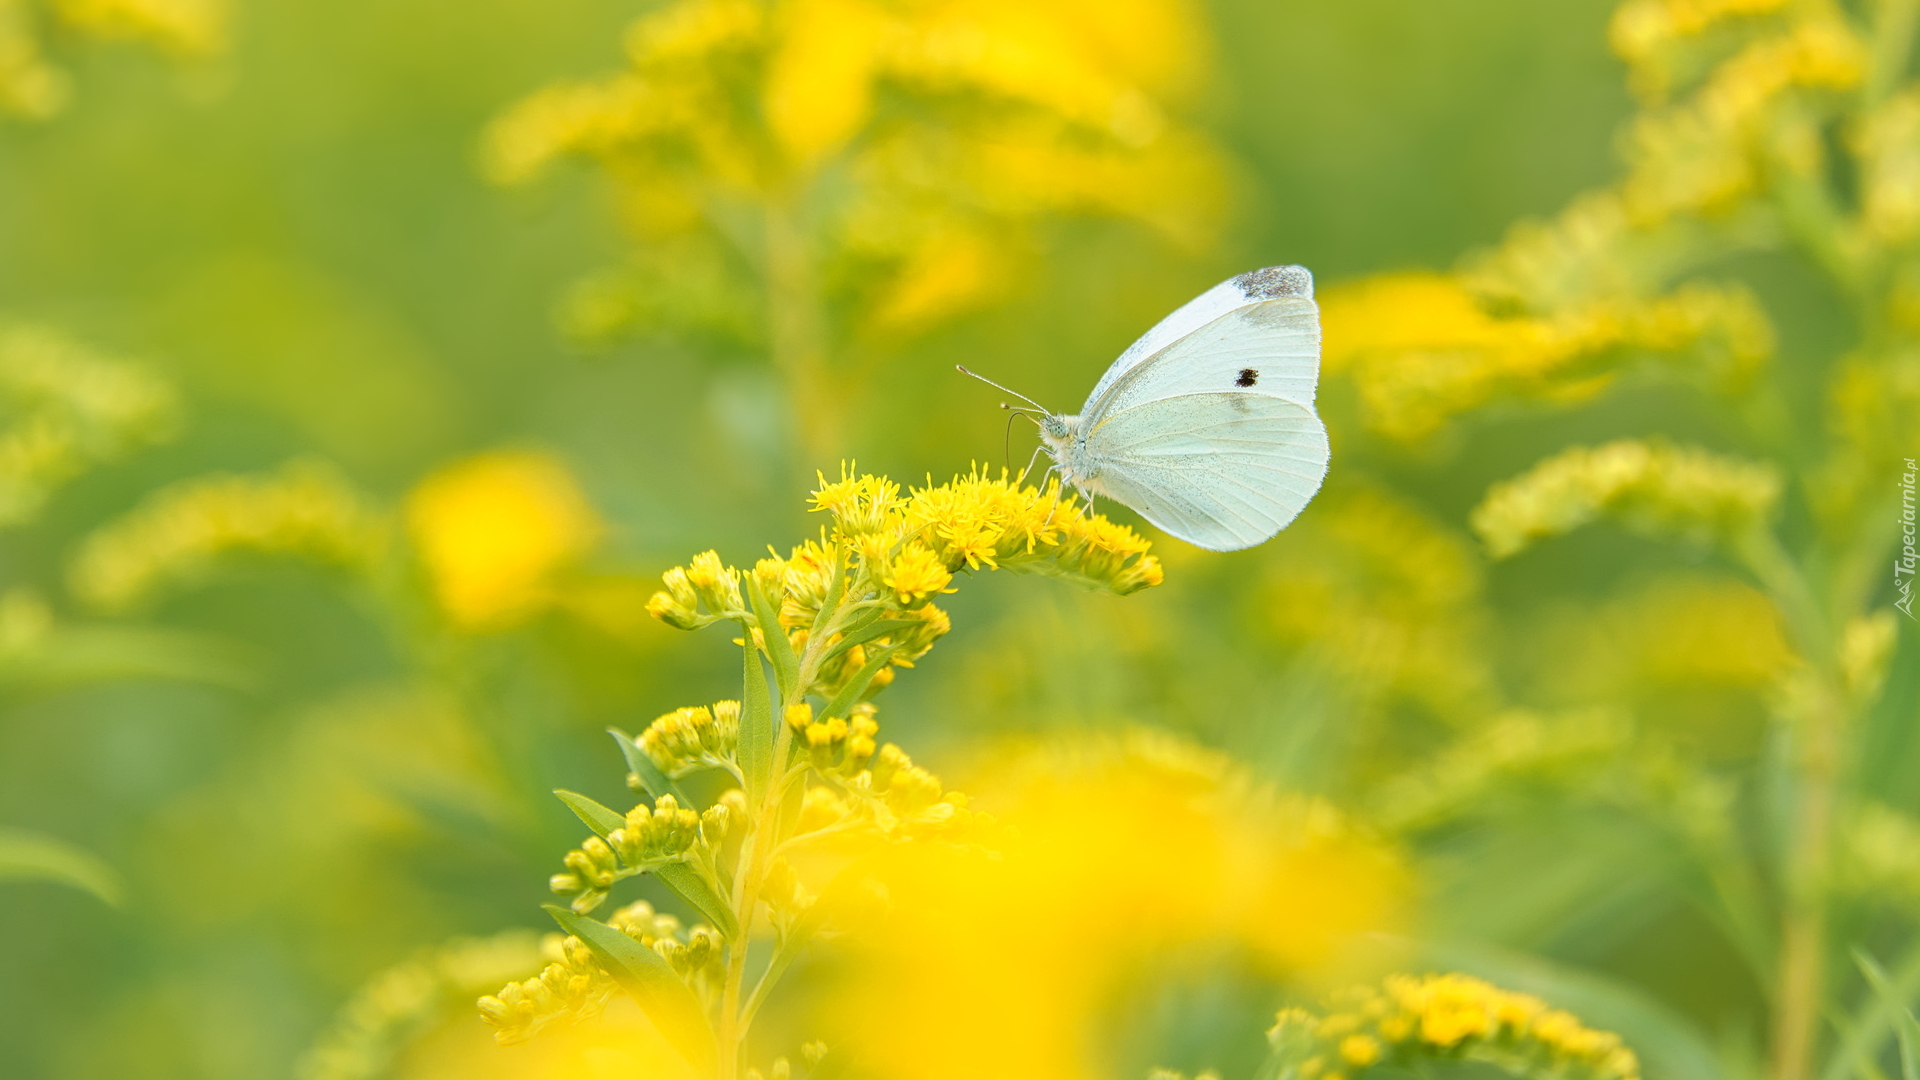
x=30 y=86
x=835 y=745
x=372 y=1030
x=1888 y=142
x=694 y=737
x=33 y=87
x=305 y=509
x=70 y=408
x=649 y=838
x=573 y=986
x=492 y=530
x=1000 y=111
x=1412 y=1020
x=1704 y=155
x=1871 y=402
x=888 y=555
x=1881 y=860
x=1284 y=885
x=1424 y=348
x=1649 y=486
x=1653 y=36
x=1516 y=745
x=1675 y=631
x=184 y=28
x=881 y=794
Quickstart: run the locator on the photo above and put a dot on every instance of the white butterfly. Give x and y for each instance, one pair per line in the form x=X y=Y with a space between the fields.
x=1206 y=425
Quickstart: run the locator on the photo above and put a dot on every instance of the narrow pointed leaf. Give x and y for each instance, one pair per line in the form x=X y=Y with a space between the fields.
x=1905 y=1027
x=756 y=725
x=786 y=666
x=880 y=628
x=640 y=765
x=860 y=621
x=601 y=819
x=830 y=604
x=649 y=980
x=28 y=856
x=843 y=701
x=693 y=888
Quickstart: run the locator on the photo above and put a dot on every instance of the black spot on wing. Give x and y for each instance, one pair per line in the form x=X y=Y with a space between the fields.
x=1275 y=282
x=1248 y=377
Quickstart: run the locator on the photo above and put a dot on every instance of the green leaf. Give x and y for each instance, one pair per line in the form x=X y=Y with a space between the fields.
x=830 y=604
x=692 y=887
x=601 y=819
x=28 y=856
x=861 y=620
x=75 y=655
x=1893 y=1003
x=756 y=725
x=867 y=633
x=786 y=666
x=843 y=701
x=649 y=980
x=639 y=764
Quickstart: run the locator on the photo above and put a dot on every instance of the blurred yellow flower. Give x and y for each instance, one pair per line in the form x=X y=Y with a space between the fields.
x=371 y=1031
x=68 y=409
x=492 y=529
x=1123 y=855
x=33 y=87
x=998 y=115
x=182 y=27
x=1408 y=1021
x=1649 y=486
x=1423 y=348
x=305 y=509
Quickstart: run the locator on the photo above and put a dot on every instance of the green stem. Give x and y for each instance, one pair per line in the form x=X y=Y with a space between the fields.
x=757 y=852
x=1817 y=735
x=783 y=958
x=1892 y=42
x=796 y=332
x=1781 y=577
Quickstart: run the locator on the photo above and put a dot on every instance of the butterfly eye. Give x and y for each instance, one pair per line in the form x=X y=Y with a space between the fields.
x=1248 y=377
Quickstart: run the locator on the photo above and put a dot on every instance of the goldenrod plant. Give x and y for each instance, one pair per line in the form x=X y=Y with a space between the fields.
x=820 y=834
x=1521 y=735
x=832 y=621
x=1765 y=129
x=817 y=178
x=35 y=86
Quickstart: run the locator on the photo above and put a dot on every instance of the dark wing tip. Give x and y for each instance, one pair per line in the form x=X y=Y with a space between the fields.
x=1276 y=282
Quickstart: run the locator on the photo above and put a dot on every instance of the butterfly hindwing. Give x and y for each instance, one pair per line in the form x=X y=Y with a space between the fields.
x=1222 y=470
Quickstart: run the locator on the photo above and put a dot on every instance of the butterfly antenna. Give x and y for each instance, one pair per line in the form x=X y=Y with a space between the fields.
x=1006 y=443
x=962 y=370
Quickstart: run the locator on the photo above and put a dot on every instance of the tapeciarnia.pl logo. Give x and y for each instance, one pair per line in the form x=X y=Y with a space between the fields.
x=1903 y=566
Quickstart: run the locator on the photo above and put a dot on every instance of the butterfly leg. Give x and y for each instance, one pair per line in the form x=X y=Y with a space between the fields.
x=1051 y=469
x=1022 y=478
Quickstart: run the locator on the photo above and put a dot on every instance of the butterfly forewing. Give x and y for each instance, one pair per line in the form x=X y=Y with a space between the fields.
x=1258 y=286
x=1271 y=349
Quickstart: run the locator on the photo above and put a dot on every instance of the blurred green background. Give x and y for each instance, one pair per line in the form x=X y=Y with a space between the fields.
x=301 y=782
